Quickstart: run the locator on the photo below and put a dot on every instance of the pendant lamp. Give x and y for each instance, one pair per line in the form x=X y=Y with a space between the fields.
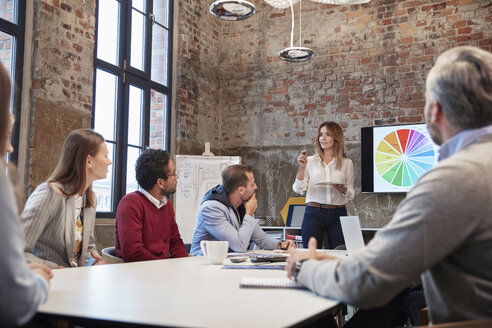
x=342 y=2
x=295 y=54
x=284 y=4
x=232 y=10
x=281 y=4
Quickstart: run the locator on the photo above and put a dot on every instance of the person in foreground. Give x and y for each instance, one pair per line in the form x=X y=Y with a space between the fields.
x=227 y=214
x=443 y=228
x=146 y=228
x=327 y=178
x=23 y=287
x=59 y=215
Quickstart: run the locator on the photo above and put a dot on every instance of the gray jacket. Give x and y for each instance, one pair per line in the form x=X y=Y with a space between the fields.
x=219 y=220
x=49 y=227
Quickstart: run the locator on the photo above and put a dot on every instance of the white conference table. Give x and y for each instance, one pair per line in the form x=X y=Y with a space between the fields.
x=186 y=292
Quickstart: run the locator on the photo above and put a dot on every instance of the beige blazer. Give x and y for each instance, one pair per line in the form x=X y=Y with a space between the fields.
x=49 y=227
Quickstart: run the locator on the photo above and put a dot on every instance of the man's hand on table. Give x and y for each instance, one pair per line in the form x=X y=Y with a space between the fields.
x=301 y=255
x=288 y=244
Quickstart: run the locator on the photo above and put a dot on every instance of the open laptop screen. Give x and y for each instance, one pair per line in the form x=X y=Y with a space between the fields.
x=352 y=233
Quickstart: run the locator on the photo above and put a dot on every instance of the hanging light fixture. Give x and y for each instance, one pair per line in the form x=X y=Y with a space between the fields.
x=342 y=2
x=232 y=10
x=296 y=54
x=284 y=4
x=281 y=4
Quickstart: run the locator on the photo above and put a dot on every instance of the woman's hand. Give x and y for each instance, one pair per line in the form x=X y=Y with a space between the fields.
x=99 y=259
x=302 y=159
x=42 y=270
x=341 y=188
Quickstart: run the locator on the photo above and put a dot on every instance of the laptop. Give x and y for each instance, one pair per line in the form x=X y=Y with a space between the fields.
x=352 y=233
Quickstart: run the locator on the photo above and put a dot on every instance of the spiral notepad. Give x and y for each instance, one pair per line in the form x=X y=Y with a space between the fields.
x=269 y=283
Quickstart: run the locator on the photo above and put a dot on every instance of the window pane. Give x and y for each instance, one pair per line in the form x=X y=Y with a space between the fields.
x=139 y=4
x=6 y=53
x=104 y=188
x=8 y=10
x=158 y=120
x=161 y=12
x=159 y=54
x=138 y=40
x=7 y=47
x=105 y=107
x=108 y=30
x=131 y=181
x=135 y=116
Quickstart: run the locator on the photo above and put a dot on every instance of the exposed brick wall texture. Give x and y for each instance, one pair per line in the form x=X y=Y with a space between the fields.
x=370 y=68
x=64 y=37
x=198 y=66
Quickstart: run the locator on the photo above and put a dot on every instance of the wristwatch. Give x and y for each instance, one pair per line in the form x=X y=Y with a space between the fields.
x=296 y=268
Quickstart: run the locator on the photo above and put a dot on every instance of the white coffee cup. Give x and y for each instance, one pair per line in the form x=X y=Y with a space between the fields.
x=216 y=251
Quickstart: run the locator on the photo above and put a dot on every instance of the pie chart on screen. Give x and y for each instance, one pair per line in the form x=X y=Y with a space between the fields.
x=403 y=156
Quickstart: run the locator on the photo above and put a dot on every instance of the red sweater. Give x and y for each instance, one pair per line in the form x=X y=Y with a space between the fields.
x=144 y=232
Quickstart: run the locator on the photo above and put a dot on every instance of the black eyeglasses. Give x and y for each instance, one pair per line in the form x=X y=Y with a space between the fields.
x=176 y=173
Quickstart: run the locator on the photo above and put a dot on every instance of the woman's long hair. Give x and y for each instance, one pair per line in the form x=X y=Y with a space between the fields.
x=337 y=134
x=5 y=88
x=70 y=172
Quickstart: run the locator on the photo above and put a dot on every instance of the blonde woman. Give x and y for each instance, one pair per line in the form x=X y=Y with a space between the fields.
x=60 y=214
x=327 y=179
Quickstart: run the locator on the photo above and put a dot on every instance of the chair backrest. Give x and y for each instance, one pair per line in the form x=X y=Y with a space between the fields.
x=464 y=324
x=109 y=256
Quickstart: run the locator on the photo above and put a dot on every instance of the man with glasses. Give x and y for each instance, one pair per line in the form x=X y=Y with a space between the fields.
x=146 y=227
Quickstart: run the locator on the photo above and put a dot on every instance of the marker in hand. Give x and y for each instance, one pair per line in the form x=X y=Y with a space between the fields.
x=302 y=159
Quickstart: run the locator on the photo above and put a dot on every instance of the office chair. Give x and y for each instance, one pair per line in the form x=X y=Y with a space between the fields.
x=109 y=255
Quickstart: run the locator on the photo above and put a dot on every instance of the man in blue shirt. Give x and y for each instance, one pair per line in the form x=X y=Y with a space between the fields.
x=227 y=214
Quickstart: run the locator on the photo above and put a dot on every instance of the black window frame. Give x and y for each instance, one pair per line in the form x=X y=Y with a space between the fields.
x=17 y=31
x=127 y=76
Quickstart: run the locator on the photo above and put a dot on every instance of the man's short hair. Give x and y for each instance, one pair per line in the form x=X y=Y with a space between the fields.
x=461 y=82
x=235 y=176
x=151 y=165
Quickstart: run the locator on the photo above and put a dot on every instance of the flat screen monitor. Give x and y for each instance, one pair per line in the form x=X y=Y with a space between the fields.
x=394 y=157
x=295 y=215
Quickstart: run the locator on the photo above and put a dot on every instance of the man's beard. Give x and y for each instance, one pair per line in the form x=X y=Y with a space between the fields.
x=433 y=131
x=167 y=192
x=245 y=200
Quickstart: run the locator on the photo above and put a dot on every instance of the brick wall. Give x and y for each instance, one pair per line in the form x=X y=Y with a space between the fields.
x=198 y=65
x=370 y=67
x=64 y=36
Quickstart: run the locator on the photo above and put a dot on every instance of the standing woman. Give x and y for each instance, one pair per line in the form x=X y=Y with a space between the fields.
x=328 y=178
x=60 y=214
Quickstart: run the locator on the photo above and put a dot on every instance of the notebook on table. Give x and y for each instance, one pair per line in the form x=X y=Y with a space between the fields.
x=269 y=283
x=352 y=233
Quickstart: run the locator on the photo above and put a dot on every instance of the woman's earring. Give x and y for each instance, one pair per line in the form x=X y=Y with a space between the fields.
x=90 y=166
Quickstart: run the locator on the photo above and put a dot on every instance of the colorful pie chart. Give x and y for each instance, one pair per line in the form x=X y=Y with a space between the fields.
x=403 y=156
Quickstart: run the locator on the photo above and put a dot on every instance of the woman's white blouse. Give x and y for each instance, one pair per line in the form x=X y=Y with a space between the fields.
x=317 y=177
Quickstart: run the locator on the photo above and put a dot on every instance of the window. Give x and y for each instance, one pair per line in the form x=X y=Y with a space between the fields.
x=132 y=88
x=12 y=17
